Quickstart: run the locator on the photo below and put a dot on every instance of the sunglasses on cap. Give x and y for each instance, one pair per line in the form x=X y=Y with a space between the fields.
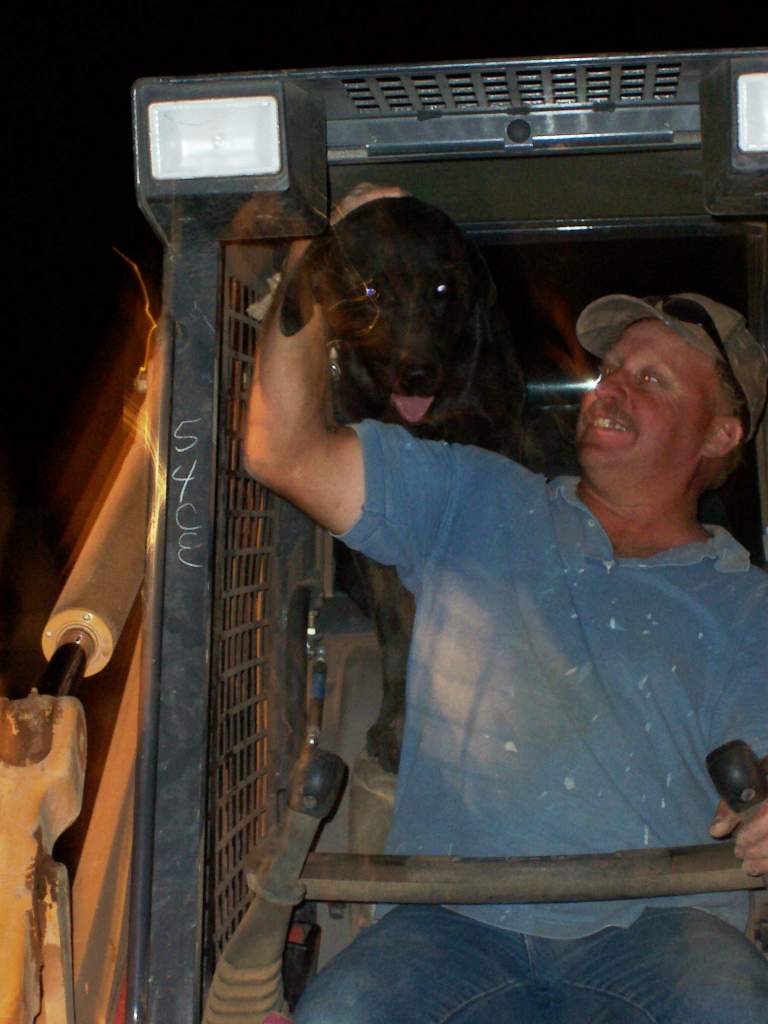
x=691 y=312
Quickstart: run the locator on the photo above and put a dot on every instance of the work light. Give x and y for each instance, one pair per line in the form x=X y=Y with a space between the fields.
x=241 y=157
x=734 y=132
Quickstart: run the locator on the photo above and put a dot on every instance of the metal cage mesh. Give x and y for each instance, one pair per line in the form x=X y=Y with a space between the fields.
x=239 y=744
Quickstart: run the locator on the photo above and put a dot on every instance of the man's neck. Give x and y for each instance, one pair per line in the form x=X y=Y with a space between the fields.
x=639 y=527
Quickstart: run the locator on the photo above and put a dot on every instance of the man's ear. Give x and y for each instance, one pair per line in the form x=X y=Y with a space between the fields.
x=724 y=435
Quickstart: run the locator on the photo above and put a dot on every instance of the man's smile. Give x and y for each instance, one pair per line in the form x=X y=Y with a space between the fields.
x=606 y=423
x=603 y=415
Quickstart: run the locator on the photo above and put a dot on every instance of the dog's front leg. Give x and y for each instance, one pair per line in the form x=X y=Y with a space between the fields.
x=392 y=609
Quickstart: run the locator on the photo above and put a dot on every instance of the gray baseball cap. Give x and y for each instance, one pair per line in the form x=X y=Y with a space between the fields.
x=696 y=319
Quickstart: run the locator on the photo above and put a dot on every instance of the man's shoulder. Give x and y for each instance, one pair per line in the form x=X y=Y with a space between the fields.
x=743 y=596
x=393 y=442
x=733 y=561
x=756 y=579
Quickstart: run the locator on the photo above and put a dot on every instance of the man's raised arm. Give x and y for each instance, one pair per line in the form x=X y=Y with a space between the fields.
x=290 y=443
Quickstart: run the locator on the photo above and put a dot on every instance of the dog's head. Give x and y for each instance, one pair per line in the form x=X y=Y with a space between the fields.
x=409 y=299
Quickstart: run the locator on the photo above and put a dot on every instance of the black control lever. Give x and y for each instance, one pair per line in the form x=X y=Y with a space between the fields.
x=741 y=781
x=738 y=776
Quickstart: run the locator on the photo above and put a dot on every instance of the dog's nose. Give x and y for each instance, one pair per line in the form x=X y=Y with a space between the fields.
x=416 y=378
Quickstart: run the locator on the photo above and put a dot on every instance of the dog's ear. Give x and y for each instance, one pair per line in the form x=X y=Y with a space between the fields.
x=302 y=289
x=292 y=317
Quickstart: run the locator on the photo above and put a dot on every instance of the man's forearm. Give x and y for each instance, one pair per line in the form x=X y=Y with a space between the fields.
x=291 y=443
x=287 y=404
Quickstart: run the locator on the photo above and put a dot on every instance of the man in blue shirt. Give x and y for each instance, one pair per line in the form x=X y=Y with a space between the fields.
x=579 y=647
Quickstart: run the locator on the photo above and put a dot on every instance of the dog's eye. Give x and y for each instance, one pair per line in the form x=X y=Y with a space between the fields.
x=371 y=292
x=442 y=290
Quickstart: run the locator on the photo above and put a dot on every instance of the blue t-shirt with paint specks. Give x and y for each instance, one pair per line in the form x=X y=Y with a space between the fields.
x=560 y=700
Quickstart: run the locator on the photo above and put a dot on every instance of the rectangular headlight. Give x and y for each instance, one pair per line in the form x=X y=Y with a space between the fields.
x=214 y=138
x=752 y=103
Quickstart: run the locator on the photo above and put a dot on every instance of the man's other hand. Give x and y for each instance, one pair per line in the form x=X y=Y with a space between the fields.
x=751 y=837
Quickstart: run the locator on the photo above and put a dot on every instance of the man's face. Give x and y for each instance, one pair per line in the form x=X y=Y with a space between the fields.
x=652 y=412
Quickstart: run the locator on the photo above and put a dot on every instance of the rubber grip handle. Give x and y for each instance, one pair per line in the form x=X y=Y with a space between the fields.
x=316 y=782
x=737 y=775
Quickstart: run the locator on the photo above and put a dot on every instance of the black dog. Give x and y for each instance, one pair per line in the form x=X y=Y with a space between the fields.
x=420 y=341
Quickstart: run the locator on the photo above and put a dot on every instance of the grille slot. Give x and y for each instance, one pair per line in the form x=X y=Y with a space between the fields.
x=530 y=86
x=632 y=86
x=564 y=86
x=463 y=91
x=598 y=84
x=360 y=93
x=496 y=88
x=667 y=81
x=428 y=92
x=395 y=93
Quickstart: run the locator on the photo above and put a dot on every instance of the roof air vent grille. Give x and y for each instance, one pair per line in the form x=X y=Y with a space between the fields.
x=548 y=85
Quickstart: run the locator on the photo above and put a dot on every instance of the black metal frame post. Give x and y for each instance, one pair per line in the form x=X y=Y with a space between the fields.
x=165 y=962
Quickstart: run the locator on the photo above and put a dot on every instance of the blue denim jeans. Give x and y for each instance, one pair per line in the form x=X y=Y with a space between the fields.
x=428 y=965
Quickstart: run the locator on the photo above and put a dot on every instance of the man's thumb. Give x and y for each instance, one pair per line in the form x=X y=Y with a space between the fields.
x=724 y=821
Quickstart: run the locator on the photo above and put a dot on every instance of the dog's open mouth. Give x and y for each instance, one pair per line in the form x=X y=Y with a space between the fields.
x=412 y=408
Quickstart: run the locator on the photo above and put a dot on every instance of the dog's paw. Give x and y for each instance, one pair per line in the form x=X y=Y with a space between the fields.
x=383 y=742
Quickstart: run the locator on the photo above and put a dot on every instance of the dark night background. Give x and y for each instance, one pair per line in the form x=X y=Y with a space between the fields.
x=69 y=299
